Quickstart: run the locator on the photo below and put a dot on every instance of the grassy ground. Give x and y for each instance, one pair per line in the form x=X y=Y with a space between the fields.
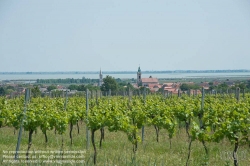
x=117 y=150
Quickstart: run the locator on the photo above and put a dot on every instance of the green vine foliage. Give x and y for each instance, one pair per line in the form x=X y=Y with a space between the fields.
x=223 y=116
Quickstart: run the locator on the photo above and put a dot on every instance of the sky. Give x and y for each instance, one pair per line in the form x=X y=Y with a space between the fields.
x=116 y=35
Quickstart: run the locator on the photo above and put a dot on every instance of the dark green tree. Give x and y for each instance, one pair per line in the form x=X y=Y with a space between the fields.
x=51 y=87
x=92 y=87
x=242 y=85
x=184 y=87
x=81 y=87
x=109 y=83
x=194 y=86
x=130 y=87
x=2 y=91
x=73 y=87
x=211 y=86
x=147 y=90
x=35 y=91
x=222 y=87
x=10 y=87
x=248 y=84
x=9 y=91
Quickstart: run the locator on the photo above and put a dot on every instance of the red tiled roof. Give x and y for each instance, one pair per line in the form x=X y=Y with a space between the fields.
x=204 y=84
x=168 y=84
x=149 y=80
x=170 y=89
x=154 y=86
x=59 y=87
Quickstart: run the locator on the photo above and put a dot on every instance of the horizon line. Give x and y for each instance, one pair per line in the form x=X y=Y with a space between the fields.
x=125 y=71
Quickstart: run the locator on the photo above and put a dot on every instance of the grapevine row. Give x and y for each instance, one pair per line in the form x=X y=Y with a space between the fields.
x=221 y=117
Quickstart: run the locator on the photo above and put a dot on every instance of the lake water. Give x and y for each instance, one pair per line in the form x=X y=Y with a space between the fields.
x=96 y=76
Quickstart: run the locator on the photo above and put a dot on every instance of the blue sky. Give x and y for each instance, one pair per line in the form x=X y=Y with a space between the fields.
x=80 y=35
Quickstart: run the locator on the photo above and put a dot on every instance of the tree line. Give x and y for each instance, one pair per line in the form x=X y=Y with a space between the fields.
x=67 y=81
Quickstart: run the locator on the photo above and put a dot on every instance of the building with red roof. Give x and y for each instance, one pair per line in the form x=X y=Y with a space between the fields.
x=151 y=83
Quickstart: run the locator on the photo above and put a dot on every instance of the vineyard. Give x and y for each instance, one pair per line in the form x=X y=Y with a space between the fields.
x=207 y=121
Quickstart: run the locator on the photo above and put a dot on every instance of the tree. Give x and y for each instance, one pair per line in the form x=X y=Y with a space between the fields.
x=121 y=86
x=248 y=84
x=130 y=87
x=242 y=85
x=194 y=86
x=147 y=90
x=92 y=88
x=36 y=91
x=109 y=83
x=9 y=91
x=10 y=87
x=51 y=87
x=81 y=88
x=2 y=91
x=222 y=87
x=211 y=86
x=73 y=87
x=184 y=87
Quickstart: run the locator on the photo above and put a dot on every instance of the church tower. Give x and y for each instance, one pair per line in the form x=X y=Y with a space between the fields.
x=139 y=77
x=100 y=78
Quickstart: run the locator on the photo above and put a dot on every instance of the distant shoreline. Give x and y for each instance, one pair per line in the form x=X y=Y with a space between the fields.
x=130 y=72
x=125 y=74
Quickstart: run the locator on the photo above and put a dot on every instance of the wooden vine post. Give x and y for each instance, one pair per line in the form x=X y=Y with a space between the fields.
x=27 y=95
x=236 y=144
x=144 y=98
x=200 y=118
x=87 y=109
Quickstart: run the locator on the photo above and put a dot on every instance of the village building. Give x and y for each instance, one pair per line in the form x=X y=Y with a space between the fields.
x=151 y=83
x=154 y=87
x=205 y=85
x=171 y=87
x=43 y=90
